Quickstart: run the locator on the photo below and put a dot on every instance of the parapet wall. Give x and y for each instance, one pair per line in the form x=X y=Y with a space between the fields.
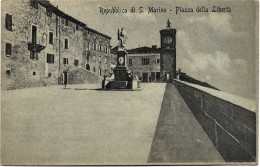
x=231 y=128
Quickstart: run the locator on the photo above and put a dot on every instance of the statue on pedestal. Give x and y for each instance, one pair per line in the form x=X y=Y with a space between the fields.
x=121 y=39
x=123 y=77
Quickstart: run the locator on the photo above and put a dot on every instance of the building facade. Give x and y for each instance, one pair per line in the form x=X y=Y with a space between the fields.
x=41 y=45
x=155 y=64
x=145 y=63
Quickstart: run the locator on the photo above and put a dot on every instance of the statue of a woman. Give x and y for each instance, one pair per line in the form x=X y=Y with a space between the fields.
x=121 y=39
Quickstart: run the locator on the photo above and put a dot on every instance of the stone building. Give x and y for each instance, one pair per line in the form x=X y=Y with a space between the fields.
x=155 y=64
x=144 y=62
x=41 y=45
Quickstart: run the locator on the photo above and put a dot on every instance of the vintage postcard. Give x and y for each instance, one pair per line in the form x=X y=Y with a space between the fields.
x=136 y=82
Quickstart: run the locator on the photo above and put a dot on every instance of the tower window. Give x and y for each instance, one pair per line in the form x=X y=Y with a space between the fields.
x=157 y=60
x=34 y=73
x=8 y=22
x=8 y=49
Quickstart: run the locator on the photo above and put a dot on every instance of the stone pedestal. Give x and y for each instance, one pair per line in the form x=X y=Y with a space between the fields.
x=122 y=79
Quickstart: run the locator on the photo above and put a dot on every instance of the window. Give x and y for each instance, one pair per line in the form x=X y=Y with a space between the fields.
x=77 y=27
x=99 y=71
x=157 y=60
x=94 y=58
x=87 y=67
x=94 y=69
x=8 y=71
x=88 y=48
x=145 y=61
x=99 y=59
x=66 y=45
x=50 y=58
x=106 y=49
x=87 y=56
x=48 y=12
x=34 y=73
x=8 y=49
x=65 y=61
x=51 y=38
x=34 y=34
x=49 y=74
x=76 y=62
x=33 y=55
x=130 y=61
x=94 y=46
x=66 y=22
x=8 y=22
x=106 y=60
x=34 y=4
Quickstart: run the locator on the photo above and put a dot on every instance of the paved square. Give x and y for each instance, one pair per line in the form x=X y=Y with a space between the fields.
x=79 y=125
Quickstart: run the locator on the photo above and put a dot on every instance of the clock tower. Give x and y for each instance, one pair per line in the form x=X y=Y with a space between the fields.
x=168 y=53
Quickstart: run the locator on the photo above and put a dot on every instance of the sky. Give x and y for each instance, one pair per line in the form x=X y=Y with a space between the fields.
x=218 y=48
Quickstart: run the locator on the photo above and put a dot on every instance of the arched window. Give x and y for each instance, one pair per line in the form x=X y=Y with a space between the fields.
x=87 y=67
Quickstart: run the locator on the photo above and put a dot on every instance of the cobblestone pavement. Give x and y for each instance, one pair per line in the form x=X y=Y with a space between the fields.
x=79 y=125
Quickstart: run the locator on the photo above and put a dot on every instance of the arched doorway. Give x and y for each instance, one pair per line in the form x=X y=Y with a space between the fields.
x=87 y=67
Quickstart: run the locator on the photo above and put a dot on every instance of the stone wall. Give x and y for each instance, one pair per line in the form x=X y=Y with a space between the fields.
x=231 y=128
x=79 y=76
x=25 y=72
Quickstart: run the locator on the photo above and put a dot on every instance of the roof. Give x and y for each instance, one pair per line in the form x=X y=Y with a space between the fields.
x=60 y=13
x=99 y=33
x=144 y=49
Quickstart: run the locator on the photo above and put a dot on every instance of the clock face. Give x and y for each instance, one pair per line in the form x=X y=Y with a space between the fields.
x=167 y=40
x=121 y=60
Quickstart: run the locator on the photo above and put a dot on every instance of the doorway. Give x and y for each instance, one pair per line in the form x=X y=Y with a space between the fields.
x=145 y=77
x=158 y=76
x=65 y=78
